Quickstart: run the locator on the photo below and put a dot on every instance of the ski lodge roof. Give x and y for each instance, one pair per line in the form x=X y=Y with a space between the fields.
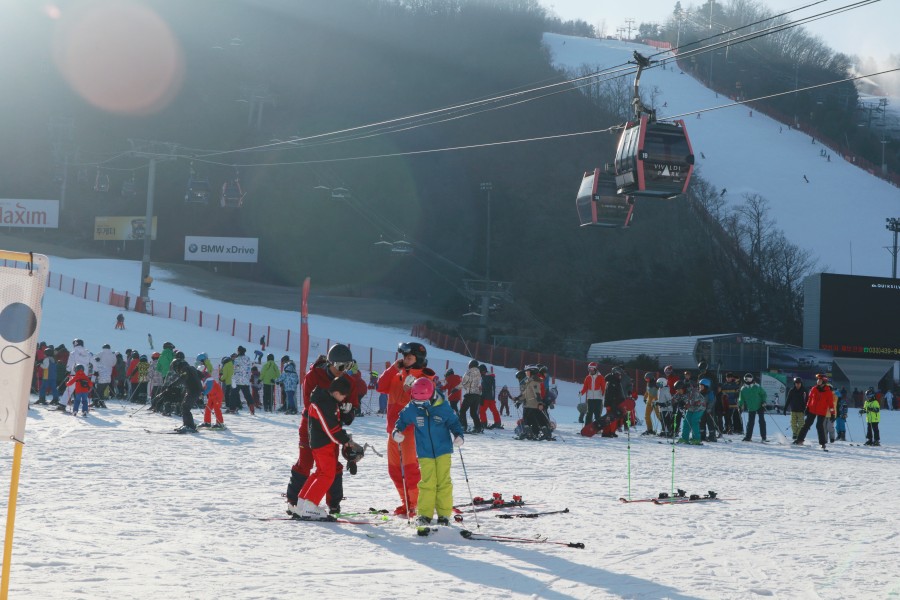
x=680 y=352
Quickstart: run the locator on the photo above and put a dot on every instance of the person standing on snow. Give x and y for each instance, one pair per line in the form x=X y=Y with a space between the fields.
x=79 y=356
x=796 y=403
x=241 y=380
x=730 y=392
x=267 y=375
x=193 y=388
x=453 y=386
x=753 y=398
x=593 y=389
x=503 y=397
x=434 y=422
x=105 y=363
x=667 y=408
x=396 y=382
x=321 y=374
x=872 y=409
x=214 y=396
x=820 y=401
x=488 y=389
x=651 y=395
x=326 y=436
x=164 y=363
x=693 y=403
x=290 y=380
x=82 y=388
x=534 y=423
x=614 y=396
x=471 y=388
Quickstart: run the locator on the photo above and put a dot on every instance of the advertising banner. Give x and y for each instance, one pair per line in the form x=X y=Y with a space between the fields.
x=800 y=362
x=776 y=389
x=29 y=213
x=122 y=228
x=221 y=249
x=858 y=316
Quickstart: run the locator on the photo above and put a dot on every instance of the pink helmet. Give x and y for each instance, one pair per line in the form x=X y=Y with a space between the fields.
x=422 y=389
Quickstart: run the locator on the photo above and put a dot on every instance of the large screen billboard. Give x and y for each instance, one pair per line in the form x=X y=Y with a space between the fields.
x=854 y=316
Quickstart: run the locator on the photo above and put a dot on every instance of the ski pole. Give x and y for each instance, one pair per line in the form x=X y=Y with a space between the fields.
x=403 y=480
x=471 y=497
x=628 y=432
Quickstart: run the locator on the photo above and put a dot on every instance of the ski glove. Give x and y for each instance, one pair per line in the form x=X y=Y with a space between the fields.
x=398 y=436
x=458 y=441
x=862 y=412
x=346 y=407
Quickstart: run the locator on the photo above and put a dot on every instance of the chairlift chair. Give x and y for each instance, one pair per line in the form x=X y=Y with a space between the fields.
x=129 y=188
x=340 y=193
x=598 y=204
x=401 y=248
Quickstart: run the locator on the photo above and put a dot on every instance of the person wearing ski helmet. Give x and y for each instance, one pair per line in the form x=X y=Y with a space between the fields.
x=614 y=397
x=192 y=390
x=488 y=402
x=534 y=421
x=164 y=363
x=729 y=393
x=396 y=381
x=241 y=380
x=693 y=403
x=79 y=356
x=325 y=437
x=321 y=374
x=819 y=403
x=290 y=380
x=795 y=401
x=651 y=396
x=204 y=364
x=752 y=398
x=872 y=410
x=664 y=403
x=707 y=422
x=434 y=422
x=471 y=389
x=453 y=386
x=81 y=388
x=593 y=388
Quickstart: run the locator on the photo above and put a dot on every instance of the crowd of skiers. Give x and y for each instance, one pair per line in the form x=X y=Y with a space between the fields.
x=703 y=409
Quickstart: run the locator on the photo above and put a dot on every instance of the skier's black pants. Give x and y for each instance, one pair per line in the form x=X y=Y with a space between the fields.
x=872 y=430
x=268 y=396
x=454 y=404
x=734 y=420
x=187 y=419
x=667 y=420
x=751 y=419
x=820 y=428
x=335 y=492
x=470 y=404
x=245 y=391
x=533 y=420
x=708 y=427
x=594 y=410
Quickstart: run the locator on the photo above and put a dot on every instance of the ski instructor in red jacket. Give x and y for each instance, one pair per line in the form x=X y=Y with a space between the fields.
x=396 y=382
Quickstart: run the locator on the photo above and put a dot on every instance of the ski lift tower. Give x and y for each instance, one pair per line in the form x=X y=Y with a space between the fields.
x=154 y=151
x=484 y=291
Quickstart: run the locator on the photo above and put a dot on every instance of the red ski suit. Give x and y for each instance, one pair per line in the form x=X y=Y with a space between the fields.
x=392 y=382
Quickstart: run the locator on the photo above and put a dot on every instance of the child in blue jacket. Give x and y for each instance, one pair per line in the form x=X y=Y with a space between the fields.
x=434 y=422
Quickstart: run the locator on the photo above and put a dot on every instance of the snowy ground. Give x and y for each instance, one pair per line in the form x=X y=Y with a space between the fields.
x=107 y=511
x=839 y=215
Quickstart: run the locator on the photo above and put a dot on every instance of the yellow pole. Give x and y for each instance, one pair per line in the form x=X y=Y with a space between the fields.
x=11 y=519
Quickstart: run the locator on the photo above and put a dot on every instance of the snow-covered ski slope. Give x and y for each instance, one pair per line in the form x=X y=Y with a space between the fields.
x=106 y=511
x=839 y=215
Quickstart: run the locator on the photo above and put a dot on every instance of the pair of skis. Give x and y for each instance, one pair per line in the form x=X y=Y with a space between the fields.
x=680 y=497
x=486 y=537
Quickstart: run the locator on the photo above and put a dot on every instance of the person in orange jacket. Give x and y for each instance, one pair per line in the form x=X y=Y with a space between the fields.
x=396 y=382
x=83 y=386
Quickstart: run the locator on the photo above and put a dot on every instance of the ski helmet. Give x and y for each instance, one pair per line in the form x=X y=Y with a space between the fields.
x=106 y=346
x=417 y=350
x=870 y=393
x=473 y=364
x=202 y=357
x=448 y=373
x=797 y=380
x=353 y=453
x=78 y=342
x=179 y=355
x=178 y=365
x=339 y=354
x=701 y=366
x=661 y=382
x=705 y=382
x=649 y=376
x=155 y=355
x=543 y=370
x=483 y=368
x=748 y=377
x=668 y=369
x=290 y=368
x=240 y=350
x=422 y=389
x=168 y=346
x=679 y=385
x=143 y=358
x=520 y=375
x=79 y=368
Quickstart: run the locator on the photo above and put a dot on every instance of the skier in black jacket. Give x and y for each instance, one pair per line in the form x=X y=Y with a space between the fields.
x=796 y=403
x=193 y=388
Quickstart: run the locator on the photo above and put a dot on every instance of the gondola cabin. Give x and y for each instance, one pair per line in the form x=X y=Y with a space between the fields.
x=654 y=159
x=197 y=190
x=232 y=194
x=597 y=203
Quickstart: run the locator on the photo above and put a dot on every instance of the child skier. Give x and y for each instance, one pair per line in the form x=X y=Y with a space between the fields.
x=214 y=396
x=82 y=388
x=434 y=421
x=290 y=380
x=840 y=423
x=872 y=409
x=693 y=403
x=325 y=433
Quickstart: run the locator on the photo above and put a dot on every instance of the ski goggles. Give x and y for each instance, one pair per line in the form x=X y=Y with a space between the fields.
x=344 y=366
